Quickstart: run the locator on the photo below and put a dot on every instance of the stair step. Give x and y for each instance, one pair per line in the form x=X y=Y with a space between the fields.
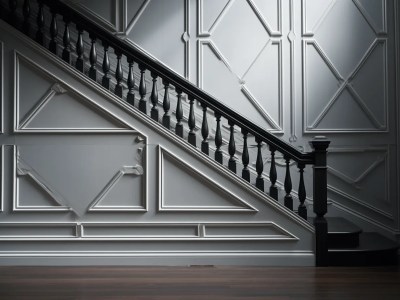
x=374 y=249
x=341 y=233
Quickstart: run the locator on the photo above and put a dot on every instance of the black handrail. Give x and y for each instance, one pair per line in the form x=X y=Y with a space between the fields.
x=316 y=158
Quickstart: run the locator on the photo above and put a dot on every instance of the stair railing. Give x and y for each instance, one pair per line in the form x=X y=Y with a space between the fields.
x=34 y=26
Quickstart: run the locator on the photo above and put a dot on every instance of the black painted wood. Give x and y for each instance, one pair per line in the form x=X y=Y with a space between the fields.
x=273 y=189
x=66 y=54
x=218 y=140
x=192 y=123
x=179 y=113
x=154 y=98
x=119 y=75
x=26 y=11
x=245 y=157
x=302 y=210
x=93 y=58
x=12 y=16
x=40 y=24
x=142 y=89
x=53 y=33
x=130 y=97
x=79 y=50
x=259 y=165
x=204 y=132
x=232 y=148
x=288 y=186
x=105 y=81
x=166 y=106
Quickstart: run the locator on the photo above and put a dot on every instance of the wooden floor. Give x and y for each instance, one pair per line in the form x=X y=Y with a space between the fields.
x=211 y=283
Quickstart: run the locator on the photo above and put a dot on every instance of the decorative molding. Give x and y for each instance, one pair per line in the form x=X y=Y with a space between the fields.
x=264 y=198
x=1 y=178
x=186 y=39
x=370 y=20
x=397 y=101
x=128 y=170
x=200 y=28
x=21 y=168
x=310 y=33
x=58 y=87
x=344 y=84
x=264 y=22
x=292 y=40
x=153 y=231
x=238 y=204
x=129 y=26
x=1 y=87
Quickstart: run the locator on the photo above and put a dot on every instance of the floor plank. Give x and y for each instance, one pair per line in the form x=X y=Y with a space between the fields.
x=211 y=283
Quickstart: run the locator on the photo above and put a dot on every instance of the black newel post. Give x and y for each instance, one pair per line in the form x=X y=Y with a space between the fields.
x=320 y=145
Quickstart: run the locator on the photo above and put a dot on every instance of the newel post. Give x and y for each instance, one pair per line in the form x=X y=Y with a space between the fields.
x=320 y=192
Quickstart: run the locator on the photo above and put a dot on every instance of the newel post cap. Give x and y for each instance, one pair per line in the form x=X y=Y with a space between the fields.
x=320 y=142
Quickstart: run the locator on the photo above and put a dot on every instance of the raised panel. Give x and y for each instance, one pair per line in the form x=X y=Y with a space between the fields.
x=44 y=103
x=205 y=194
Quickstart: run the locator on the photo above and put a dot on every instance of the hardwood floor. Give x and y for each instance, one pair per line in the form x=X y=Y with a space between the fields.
x=211 y=283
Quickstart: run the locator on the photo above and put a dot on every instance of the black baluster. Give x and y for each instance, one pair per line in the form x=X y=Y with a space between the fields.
x=40 y=24
x=232 y=148
x=179 y=114
x=130 y=97
x=302 y=210
x=288 y=186
x=166 y=105
x=245 y=157
x=142 y=90
x=154 y=98
x=79 y=49
x=204 y=131
x=66 y=55
x=192 y=123
x=259 y=166
x=218 y=139
x=119 y=75
x=105 y=81
x=273 y=190
x=12 y=17
x=27 y=13
x=53 y=33
x=93 y=58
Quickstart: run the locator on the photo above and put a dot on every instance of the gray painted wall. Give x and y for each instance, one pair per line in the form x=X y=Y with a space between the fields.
x=297 y=68
x=87 y=179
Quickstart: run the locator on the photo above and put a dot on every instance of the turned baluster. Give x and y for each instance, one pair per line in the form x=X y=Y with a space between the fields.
x=232 y=148
x=204 y=131
x=154 y=98
x=40 y=24
x=142 y=90
x=26 y=9
x=105 y=82
x=192 y=123
x=79 y=49
x=273 y=190
x=259 y=165
x=166 y=106
x=302 y=210
x=119 y=75
x=179 y=113
x=218 y=139
x=66 y=55
x=93 y=58
x=245 y=157
x=288 y=202
x=130 y=97
x=53 y=33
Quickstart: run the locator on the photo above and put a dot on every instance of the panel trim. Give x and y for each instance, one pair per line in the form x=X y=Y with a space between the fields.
x=1 y=87
x=162 y=153
x=58 y=86
x=1 y=178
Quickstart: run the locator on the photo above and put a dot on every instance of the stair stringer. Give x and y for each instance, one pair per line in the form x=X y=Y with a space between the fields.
x=264 y=233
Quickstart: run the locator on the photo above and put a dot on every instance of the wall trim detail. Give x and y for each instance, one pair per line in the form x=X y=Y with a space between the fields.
x=238 y=203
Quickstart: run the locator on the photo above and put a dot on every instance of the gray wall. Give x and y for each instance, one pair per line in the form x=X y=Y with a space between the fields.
x=297 y=68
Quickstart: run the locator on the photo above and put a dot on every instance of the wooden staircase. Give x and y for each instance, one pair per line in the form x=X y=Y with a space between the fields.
x=348 y=245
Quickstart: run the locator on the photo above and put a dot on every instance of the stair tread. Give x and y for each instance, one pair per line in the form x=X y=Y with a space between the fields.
x=370 y=242
x=338 y=225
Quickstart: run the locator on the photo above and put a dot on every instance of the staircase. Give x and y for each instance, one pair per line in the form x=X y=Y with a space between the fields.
x=337 y=241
